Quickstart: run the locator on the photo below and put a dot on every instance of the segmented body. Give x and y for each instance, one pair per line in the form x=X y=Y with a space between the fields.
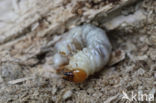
x=85 y=48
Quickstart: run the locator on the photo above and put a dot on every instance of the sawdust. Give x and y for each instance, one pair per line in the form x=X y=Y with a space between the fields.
x=30 y=78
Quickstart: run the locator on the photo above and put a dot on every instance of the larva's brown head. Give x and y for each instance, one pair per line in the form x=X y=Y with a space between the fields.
x=76 y=75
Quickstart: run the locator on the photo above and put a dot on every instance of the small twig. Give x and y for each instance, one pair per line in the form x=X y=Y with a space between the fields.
x=19 y=80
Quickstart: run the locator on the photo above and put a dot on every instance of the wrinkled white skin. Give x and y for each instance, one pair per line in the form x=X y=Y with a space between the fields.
x=87 y=48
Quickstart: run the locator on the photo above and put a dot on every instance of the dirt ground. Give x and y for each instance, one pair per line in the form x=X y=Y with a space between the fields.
x=135 y=72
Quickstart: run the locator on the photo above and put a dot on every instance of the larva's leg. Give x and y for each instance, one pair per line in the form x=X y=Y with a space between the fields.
x=60 y=60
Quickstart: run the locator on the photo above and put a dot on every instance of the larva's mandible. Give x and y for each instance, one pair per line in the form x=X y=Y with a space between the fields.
x=82 y=51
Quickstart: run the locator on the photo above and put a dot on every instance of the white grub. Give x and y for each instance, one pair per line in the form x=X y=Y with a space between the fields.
x=87 y=48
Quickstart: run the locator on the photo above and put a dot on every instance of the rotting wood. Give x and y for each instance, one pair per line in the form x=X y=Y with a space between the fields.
x=58 y=16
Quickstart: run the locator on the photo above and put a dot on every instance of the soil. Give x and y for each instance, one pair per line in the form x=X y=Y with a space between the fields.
x=135 y=72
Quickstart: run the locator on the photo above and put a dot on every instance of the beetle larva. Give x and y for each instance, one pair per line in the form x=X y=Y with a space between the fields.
x=82 y=51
